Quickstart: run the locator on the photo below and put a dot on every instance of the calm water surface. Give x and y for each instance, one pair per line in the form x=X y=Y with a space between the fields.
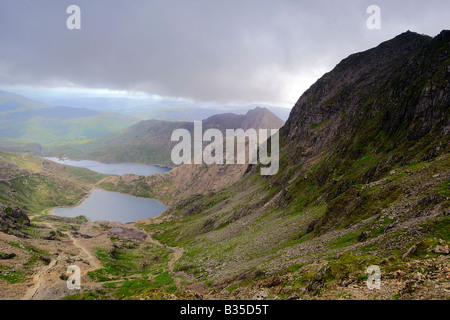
x=113 y=206
x=113 y=168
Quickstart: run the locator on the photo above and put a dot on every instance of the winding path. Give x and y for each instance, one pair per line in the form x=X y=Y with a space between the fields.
x=176 y=255
x=39 y=279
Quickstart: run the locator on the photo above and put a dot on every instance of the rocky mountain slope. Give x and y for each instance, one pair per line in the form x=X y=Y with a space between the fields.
x=12 y=219
x=364 y=179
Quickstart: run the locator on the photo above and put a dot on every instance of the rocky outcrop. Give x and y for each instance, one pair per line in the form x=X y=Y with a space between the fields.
x=12 y=220
x=376 y=110
x=180 y=183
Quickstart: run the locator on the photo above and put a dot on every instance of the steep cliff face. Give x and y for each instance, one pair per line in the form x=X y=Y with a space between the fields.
x=393 y=95
x=364 y=171
x=376 y=111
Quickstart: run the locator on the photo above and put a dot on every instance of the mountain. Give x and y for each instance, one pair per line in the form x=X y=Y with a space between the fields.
x=11 y=101
x=25 y=121
x=161 y=109
x=149 y=141
x=254 y=119
x=191 y=113
x=363 y=180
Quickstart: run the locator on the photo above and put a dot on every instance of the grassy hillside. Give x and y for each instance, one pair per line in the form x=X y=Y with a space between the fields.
x=38 y=184
x=364 y=180
x=25 y=121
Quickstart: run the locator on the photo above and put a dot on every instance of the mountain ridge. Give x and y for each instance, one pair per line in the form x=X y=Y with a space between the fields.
x=149 y=141
x=364 y=171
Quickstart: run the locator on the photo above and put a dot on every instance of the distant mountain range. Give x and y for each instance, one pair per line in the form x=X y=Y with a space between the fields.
x=28 y=125
x=160 y=109
x=25 y=121
x=149 y=141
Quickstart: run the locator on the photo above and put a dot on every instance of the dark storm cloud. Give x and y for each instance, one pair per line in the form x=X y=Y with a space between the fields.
x=229 y=50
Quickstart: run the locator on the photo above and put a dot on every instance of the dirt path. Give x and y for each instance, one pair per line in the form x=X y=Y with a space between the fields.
x=45 y=278
x=38 y=281
x=93 y=261
x=179 y=275
x=176 y=255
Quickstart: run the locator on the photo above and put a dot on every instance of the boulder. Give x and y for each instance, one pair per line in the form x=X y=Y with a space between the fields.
x=441 y=249
x=6 y=256
x=12 y=220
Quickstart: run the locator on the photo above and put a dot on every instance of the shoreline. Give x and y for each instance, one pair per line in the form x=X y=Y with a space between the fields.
x=107 y=162
x=50 y=211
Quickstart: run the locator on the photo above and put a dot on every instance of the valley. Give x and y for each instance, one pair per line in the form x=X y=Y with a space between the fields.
x=363 y=180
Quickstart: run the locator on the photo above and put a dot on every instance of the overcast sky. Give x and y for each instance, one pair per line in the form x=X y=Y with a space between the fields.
x=225 y=51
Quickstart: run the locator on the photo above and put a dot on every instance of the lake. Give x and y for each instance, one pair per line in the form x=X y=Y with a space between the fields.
x=114 y=207
x=113 y=168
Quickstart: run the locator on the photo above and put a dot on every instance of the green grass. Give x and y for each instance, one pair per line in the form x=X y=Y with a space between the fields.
x=12 y=276
x=163 y=279
x=351 y=265
x=346 y=240
x=38 y=186
x=144 y=260
x=90 y=295
x=128 y=288
x=28 y=248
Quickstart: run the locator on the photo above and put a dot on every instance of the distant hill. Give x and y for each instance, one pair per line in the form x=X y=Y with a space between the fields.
x=11 y=101
x=165 y=109
x=192 y=113
x=25 y=121
x=149 y=141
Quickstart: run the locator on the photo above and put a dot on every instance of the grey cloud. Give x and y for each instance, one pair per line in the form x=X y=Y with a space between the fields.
x=211 y=50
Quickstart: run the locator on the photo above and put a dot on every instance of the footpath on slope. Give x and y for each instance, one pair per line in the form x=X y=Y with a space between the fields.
x=47 y=284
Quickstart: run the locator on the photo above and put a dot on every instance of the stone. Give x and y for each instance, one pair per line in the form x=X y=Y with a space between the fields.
x=410 y=251
x=6 y=256
x=260 y=295
x=399 y=274
x=64 y=277
x=293 y=297
x=441 y=249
